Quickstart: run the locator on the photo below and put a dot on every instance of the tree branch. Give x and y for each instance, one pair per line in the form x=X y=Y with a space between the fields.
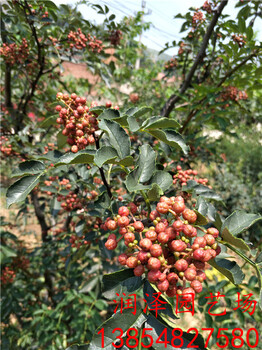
x=101 y=170
x=221 y=82
x=40 y=216
x=8 y=91
x=169 y=105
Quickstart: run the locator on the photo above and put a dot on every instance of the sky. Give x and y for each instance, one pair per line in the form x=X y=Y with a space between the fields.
x=159 y=12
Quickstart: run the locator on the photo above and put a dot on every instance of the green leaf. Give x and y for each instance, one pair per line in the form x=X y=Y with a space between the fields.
x=154 y=193
x=163 y=179
x=29 y=167
x=118 y=138
x=228 y=268
x=206 y=209
x=150 y=293
x=159 y=327
x=201 y=219
x=127 y=161
x=201 y=190
x=123 y=281
x=105 y=154
x=19 y=190
x=48 y=122
x=138 y=111
x=109 y=113
x=146 y=164
x=170 y=137
x=236 y=242
x=240 y=221
x=160 y=123
x=61 y=140
x=97 y=110
x=133 y=124
x=5 y=253
x=81 y=157
x=124 y=320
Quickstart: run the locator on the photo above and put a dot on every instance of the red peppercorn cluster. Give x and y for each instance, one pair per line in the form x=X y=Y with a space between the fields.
x=239 y=39
x=197 y=18
x=134 y=97
x=77 y=242
x=183 y=176
x=115 y=37
x=207 y=7
x=5 y=148
x=171 y=63
x=167 y=247
x=7 y=275
x=20 y=262
x=79 y=124
x=14 y=54
x=234 y=94
x=181 y=48
x=79 y=41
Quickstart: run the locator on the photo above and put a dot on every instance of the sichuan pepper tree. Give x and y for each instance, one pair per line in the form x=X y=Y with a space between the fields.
x=164 y=227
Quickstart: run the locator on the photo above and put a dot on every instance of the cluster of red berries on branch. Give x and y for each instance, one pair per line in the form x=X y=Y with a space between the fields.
x=197 y=18
x=77 y=242
x=234 y=94
x=182 y=176
x=79 y=41
x=115 y=37
x=207 y=7
x=171 y=63
x=167 y=247
x=6 y=147
x=7 y=275
x=71 y=201
x=239 y=39
x=20 y=262
x=15 y=54
x=79 y=124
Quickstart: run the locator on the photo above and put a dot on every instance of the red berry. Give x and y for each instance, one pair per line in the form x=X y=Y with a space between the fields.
x=162 y=208
x=123 y=211
x=200 y=241
x=123 y=221
x=210 y=239
x=132 y=262
x=156 y=250
x=181 y=265
x=171 y=292
x=160 y=227
x=143 y=257
x=163 y=237
x=172 y=278
x=145 y=244
x=74 y=149
x=189 y=215
x=163 y=286
x=138 y=226
x=153 y=275
x=111 y=225
x=153 y=264
x=190 y=274
x=199 y=254
x=152 y=235
x=111 y=244
x=197 y=286
x=139 y=270
x=188 y=294
x=179 y=206
x=178 y=245
x=129 y=237
x=178 y=225
x=213 y=231
x=122 y=259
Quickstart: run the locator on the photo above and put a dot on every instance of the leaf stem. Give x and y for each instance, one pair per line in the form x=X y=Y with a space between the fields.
x=147 y=203
x=243 y=256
